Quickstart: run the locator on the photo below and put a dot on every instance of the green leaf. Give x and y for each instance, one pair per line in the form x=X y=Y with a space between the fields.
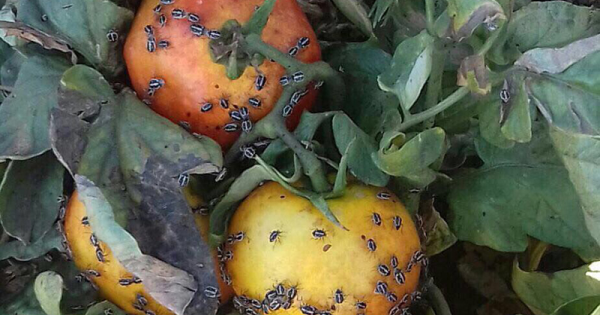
x=581 y=156
x=24 y=115
x=548 y=291
x=259 y=19
x=517 y=126
x=100 y=309
x=467 y=15
x=360 y=163
x=413 y=159
x=545 y=24
x=31 y=187
x=371 y=108
x=84 y=25
x=489 y=112
x=516 y=195
x=410 y=69
x=48 y=289
x=589 y=305
x=356 y=12
x=309 y=123
x=22 y=252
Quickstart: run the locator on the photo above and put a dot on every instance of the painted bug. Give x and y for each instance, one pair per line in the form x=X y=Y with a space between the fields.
x=162 y=20
x=112 y=36
x=246 y=126
x=178 y=14
x=280 y=289
x=254 y=102
x=383 y=195
x=235 y=115
x=259 y=82
x=274 y=236
x=211 y=292
x=157 y=9
x=213 y=34
x=338 y=296
x=206 y=107
x=183 y=180
x=149 y=30
x=248 y=151
x=163 y=44
x=303 y=42
x=270 y=295
x=224 y=103
x=360 y=305
x=194 y=18
x=391 y=297
x=319 y=234
x=394 y=262
x=292 y=292
x=141 y=299
x=284 y=80
x=383 y=270
x=287 y=110
x=85 y=221
x=151 y=44
x=371 y=245
x=381 y=288
x=397 y=221
x=293 y=51
x=376 y=218
x=197 y=29
x=308 y=310
x=399 y=276
x=156 y=84
x=231 y=127
x=298 y=76
x=167 y=2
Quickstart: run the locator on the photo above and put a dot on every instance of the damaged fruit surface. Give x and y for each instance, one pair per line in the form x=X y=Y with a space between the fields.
x=289 y=259
x=170 y=63
x=98 y=265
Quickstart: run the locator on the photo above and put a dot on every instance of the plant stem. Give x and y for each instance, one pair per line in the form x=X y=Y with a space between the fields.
x=437 y=300
x=434 y=85
x=431 y=112
x=490 y=41
x=429 y=12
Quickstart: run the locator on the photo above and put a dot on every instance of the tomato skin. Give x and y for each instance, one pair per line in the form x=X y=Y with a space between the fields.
x=192 y=79
x=289 y=242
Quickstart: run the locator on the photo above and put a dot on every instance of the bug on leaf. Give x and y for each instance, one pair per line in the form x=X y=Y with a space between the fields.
x=112 y=36
x=183 y=180
x=211 y=292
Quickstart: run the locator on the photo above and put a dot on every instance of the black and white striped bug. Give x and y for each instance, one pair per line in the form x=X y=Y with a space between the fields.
x=284 y=80
x=162 y=20
x=248 y=151
x=62 y=210
x=324 y=313
x=297 y=96
x=221 y=175
x=410 y=265
x=237 y=303
x=270 y=295
x=100 y=255
x=293 y=51
x=416 y=296
x=94 y=240
x=381 y=288
x=149 y=312
x=274 y=305
x=418 y=256
x=383 y=270
x=391 y=297
x=224 y=103
x=228 y=255
x=303 y=42
x=151 y=44
x=183 y=180
x=112 y=36
x=167 y=2
x=137 y=306
x=298 y=76
x=44 y=17
x=231 y=127
x=384 y=195
x=254 y=102
x=287 y=110
x=194 y=18
x=157 y=9
x=246 y=126
x=197 y=29
x=395 y=310
x=376 y=218
x=211 y=292
x=213 y=34
x=318 y=234
x=185 y=125
x=244 y=113
x=92 y=273
x=397 y=221
x=265 y=307
x=286 y=305
x=399 y=276
x=280 y=289
x=178 y=14
x=259 y=82
x=291 y=293
x=255 y=303
x=274 y=236
x=141 y=299
x=136 y=279
x=504 y=95
x=230 y=239
x=249 y=311
x=360 y=305
x=206 y=107
x=308 y=310
x=149 y=30
x=235 y=115
x=79 y=278
x=319 y=84
x=163 y=44
x=338 y=296
x=394 y=262
x=108 y=311
x=156 y=84
x=371 y=245
x=85 y=221
x=239 y=236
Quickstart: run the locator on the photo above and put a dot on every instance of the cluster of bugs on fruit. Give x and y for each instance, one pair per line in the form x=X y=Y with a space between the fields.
x=62 y=201
x=280 y=297
x=302 y=43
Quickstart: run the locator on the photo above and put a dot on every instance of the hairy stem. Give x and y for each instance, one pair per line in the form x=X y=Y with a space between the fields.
x=431 y=112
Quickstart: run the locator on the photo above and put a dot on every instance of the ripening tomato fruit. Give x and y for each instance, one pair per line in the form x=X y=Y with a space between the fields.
x=169 y=61
x=114 y=282
x=297 y=262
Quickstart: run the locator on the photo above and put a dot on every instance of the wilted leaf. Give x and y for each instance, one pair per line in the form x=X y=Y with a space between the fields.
x=413 y=159
x=439 y=235
x=410 y=69
x=360 y=163
x=83 y=24
x=29 y=34
x=516 y=114
x=589 y=305
x=545 y=24
x=581 y=156
x=356 y=12
x=31 y=187
x=19 y=251
x=48 y=289
x=509 y=199
x=473 y=74
x=367 y=105
x=24 y=115
x=467 y=15
x=548 y=291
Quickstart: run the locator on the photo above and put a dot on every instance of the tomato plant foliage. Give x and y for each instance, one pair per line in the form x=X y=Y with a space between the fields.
x=483 y=115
